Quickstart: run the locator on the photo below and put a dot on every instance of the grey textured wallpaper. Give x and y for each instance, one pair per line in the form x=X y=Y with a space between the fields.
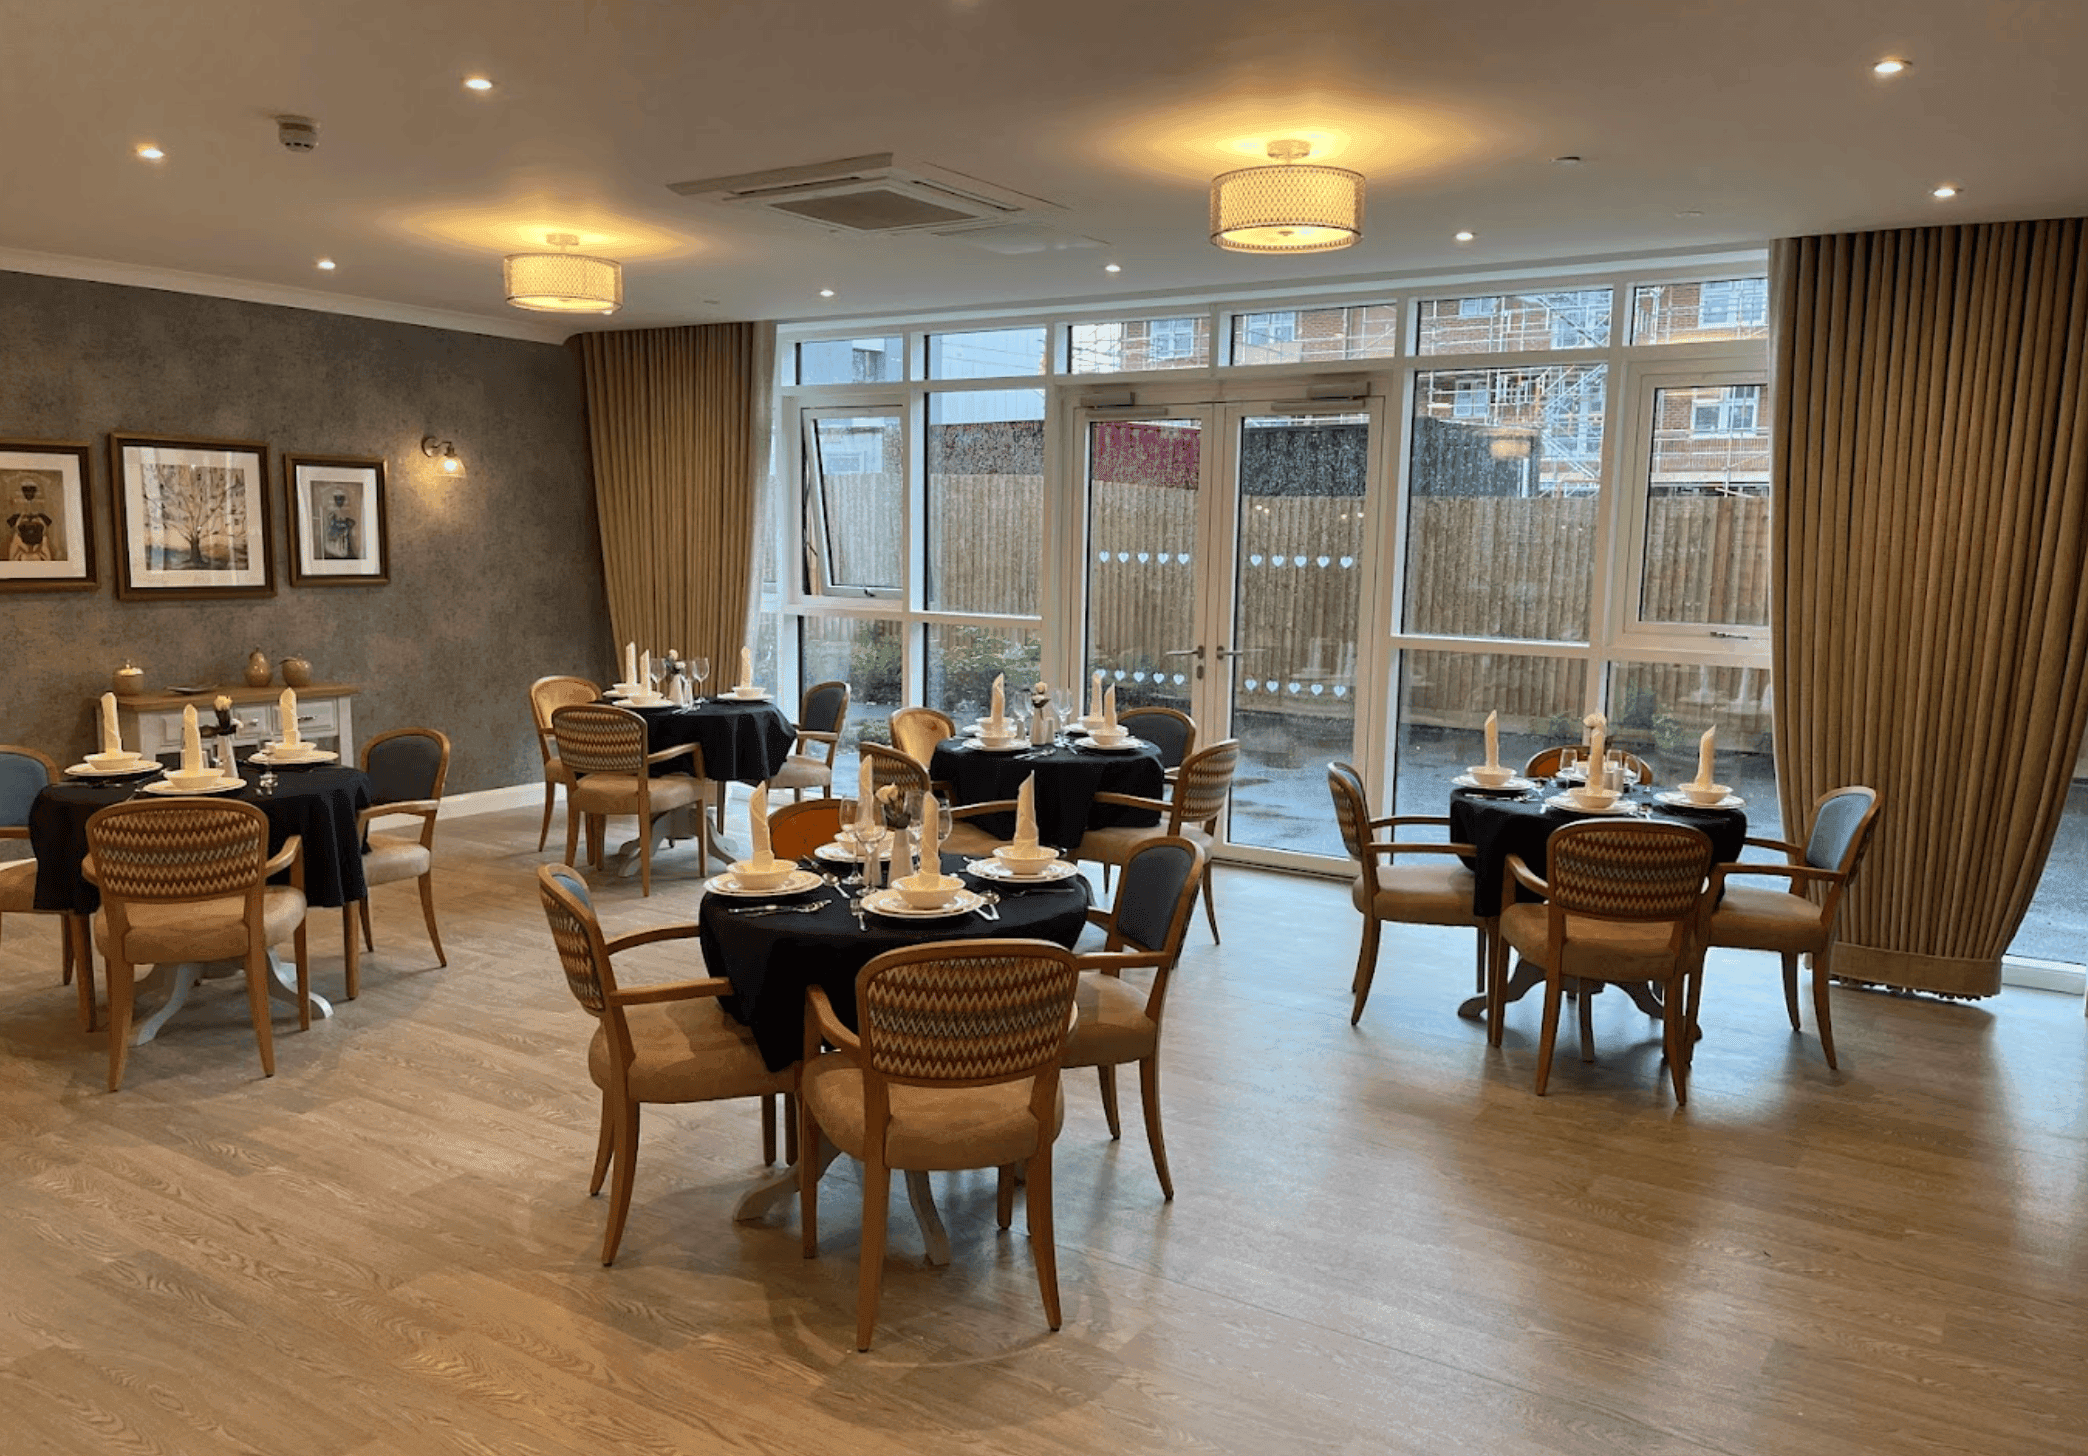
x=495 y=579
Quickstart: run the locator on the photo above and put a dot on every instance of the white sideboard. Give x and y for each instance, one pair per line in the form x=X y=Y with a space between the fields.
x=325 y=715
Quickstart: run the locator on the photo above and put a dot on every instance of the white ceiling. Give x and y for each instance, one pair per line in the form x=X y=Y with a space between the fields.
x=1702 y=123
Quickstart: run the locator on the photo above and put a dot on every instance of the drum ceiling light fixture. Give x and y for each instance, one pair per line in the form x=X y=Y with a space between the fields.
x=1292 y=207
x=563 y=282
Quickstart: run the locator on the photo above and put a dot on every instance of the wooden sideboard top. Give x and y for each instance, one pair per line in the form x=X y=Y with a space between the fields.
x=156 y=702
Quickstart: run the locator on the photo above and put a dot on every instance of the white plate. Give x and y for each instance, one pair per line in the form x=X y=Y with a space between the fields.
x=1513 y=784
x=1619 y=805
x=1016 y=746
x=993 y=869
x=1682 y=801
x=655 y=701
x=728 y=884
x=222 y=786
x=892 y=903
x=302 y=760
x=1127 y=746
x=137 y=770
x=836 y=852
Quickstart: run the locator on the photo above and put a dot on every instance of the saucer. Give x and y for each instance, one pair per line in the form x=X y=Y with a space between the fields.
x=1515 y=784
x=759 y=695
x=1680 y=800
x=728 y=884
x=1013 y=745
x=222 y=786
x=835 y=852
x=1127 y=745
x=138 y=770
x=1618 y=805
x=892 y=903
x=993 y=869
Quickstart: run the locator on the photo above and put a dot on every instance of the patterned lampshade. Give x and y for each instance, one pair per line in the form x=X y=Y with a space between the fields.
x=1293 y=207
x=563 y=282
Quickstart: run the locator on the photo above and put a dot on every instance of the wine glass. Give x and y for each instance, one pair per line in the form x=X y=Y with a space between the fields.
x=868 y=838
x=699 y=669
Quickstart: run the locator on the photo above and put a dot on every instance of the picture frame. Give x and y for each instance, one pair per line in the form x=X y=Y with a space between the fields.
x=46 y=516
x=340 y=534
x=192 y=518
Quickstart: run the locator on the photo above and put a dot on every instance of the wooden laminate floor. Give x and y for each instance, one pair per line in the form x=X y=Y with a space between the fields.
x=1382 y=1242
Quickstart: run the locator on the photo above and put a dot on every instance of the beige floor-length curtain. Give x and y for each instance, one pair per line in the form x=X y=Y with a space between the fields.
x=1931 y=559
x=677 y=423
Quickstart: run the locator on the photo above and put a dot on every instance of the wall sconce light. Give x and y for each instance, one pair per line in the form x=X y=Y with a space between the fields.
x=445 y=452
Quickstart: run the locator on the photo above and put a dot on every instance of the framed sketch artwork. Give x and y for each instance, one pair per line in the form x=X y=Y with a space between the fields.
x=192 y=518
x=46 y=524
x=338 y=533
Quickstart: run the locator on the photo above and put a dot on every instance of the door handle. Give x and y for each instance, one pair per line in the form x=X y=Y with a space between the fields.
x=1226 y=652
x=1196 y=652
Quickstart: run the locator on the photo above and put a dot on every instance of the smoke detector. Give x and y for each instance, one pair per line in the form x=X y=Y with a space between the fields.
x=297 y=133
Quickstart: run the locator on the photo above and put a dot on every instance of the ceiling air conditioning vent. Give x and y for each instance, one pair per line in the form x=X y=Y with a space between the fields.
x=872 y=194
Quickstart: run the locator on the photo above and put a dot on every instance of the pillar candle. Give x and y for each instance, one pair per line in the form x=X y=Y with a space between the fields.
x=1493 y=739
x=191 y=741
x=112 y=732
x=286 y=707
x=1705 y=751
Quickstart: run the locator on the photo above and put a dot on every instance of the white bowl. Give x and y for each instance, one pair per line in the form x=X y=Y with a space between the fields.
x=1592 y=798
x=1489 y=778
x=1025 y=859
x=762 y=876
x=926 y=892
x=1109 y=737
x=1092 y=721
x=748 y=694
x=116 y=760
x=1714 y=794
x=201 y=778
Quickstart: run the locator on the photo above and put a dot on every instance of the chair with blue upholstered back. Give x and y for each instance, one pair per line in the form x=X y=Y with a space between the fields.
x=407 y=769
x=25 y=773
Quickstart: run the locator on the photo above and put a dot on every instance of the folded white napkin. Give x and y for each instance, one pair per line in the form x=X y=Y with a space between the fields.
x=1026 y=813
x=1109 y=708
x=1598 y=732
x=191 y=741
x=112 y=733
x=866 y=791
x=1493 y=740
x=630 y=662
x=286 y=707
x=227 y=764
x=931 y=836
x=746 y=678
x=761 y=855
x=1706 y=751
x=997 y=714
x=644 y=678
x=1095 y=699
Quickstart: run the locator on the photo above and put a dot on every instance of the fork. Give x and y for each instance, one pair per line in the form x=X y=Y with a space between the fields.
x=773 y=909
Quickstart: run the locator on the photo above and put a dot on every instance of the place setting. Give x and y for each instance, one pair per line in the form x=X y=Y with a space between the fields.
x=1492 y=778
x=1701 y=794
x=197 y=774
x=761 y=874
x=1103 y=733
x=1023 y=862
x=997 y=732
x=1604 y=781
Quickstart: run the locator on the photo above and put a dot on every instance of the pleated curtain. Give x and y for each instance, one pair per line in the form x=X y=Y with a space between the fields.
x=1931 y=572
x=677 y=423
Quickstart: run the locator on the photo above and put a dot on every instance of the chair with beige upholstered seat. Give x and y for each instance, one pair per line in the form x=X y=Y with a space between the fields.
x=187 y=880
x=821 y=716
x=407 y=769
x=663 y=1044
x=1623 y=902
x=916 y=731
x=956 y=1066
x=891 y=769
x=605 y=748
x=1119 y=1019
x=1802 y=920
x=25 y=773
x=1544 y=764
x=1439 y=891
x=1191 y=811
x=546 y=696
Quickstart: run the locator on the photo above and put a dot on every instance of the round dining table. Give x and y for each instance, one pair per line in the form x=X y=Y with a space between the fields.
x=1068 y=776
x=321 y=805
x=743 y=742
x=1498 y=825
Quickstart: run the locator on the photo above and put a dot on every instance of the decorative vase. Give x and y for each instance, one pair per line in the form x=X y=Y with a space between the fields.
x=297 y=672
x=129 y=681
x=258 y=671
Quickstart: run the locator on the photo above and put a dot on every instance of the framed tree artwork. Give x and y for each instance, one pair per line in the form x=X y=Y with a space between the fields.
x=46 y=520
x=192 y=518
x=338 y=532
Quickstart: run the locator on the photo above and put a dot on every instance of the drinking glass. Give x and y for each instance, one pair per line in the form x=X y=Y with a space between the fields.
x=699 y=669
x=868 y=835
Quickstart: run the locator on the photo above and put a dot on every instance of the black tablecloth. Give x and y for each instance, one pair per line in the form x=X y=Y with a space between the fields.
x=320 y=804
x=1067 y=781
x=772 y=960
x=1498 y=827
x=745 y=743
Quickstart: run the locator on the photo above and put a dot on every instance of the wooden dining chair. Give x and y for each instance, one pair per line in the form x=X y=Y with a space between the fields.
x=25 y=773
x=822 y=715
x=1439 y=891
x=956 y=1066
x=407 y=768
x=187 y=880
x=662 y=1043
x=795 y=830
x=907 y=775
x=1120 y=1020
x=605 y=748
x=1191 y=811
x=1802 y=920
x=1544 y=763
x=1622 y=902
x=916 y=731
x=546 y=696
x=1170 y=730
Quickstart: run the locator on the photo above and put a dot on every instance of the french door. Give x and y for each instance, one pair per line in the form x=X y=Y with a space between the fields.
x=1228 y=568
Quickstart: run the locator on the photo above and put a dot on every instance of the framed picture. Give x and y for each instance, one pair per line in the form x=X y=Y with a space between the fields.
x=46 y=524
x=338 y=532
x=191 y=518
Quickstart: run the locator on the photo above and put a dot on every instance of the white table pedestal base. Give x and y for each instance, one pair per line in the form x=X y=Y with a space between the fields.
x=176 y=980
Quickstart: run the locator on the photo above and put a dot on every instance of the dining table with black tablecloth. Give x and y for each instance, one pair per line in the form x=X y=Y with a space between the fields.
x=1068 y=778
x=742 y=742
x=773 y=958
x=320 y=805
x=1498 y=825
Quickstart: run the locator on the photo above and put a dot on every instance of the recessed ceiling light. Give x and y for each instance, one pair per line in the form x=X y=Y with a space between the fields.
x=1112 y=267
x=477 y=83
x=1466 y=236
x=325 y=265
x=150 y=152
x=826 y=293
x=1566 y=161
x=1893 y=65
x=1945 y=191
